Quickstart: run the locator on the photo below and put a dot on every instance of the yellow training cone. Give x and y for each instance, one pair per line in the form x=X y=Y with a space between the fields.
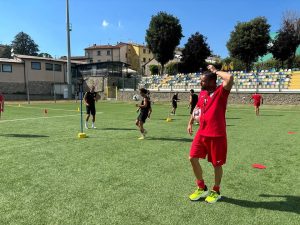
x=168 y=119
x=78 y=109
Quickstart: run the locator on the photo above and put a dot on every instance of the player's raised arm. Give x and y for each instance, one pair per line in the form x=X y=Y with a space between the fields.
x=226 y=77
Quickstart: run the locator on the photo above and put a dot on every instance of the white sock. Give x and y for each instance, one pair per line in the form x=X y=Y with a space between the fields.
x=86 y=123
x=93 y=124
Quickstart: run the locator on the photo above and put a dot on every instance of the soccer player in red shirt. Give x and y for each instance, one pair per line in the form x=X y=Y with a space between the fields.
x=210 y=139
x=257 y=99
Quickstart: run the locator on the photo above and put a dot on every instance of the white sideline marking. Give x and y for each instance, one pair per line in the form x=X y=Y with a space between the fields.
x=34 y=118
x=32 y=107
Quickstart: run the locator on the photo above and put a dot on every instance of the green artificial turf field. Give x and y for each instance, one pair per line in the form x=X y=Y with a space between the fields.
x=49 y=176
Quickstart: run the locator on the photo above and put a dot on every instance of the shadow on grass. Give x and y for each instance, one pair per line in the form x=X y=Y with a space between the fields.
x=229 y=125
x=24 y=135
x=271 y=115
x=187 y=115
x=115 y=128
x=290 y=204
x=170 y=139
x=233 y=118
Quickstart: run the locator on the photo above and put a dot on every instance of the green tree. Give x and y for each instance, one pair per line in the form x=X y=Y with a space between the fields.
x=6 y=53
x=172 y=68
x=195 y=51
x=45 y=55
x=162 y=37
x=236 y=63
x=24 y=45
x=288 y=39
x=249 y=40
x=154 y=69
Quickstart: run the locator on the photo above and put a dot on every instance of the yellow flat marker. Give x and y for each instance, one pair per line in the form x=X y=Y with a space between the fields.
x=168 y=119
x=82 y=135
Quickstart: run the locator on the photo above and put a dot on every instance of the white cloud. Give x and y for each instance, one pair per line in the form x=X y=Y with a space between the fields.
x=119 y=24
x=105 y=23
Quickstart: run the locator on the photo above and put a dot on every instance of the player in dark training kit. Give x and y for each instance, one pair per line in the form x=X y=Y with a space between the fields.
x=193 y=100
x=90 y=99
x=175 y=99
x=144 y=107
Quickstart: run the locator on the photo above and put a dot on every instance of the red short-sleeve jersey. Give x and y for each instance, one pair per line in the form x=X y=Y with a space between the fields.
x=213 y=109
x=256 y=98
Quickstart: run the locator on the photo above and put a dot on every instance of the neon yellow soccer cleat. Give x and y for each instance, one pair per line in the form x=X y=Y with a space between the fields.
x=199 y=193
x=213 y=197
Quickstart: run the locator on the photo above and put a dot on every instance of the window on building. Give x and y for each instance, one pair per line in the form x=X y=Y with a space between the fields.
x=7 y=68
x=49 y=66
x=144 y=51
x=91 y=61
x=126 y=55
x=149 y=51
x=98 y=52
x=98 y=60
x=108 y=52
x=57 y=67
x=35 y=65
x=144 y=59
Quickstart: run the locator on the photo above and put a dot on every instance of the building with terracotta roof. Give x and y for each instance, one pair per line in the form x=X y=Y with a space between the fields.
x=136 y=55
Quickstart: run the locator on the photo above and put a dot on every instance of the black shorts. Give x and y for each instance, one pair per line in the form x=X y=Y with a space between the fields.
x=192 y=109
x=142 y=117
x=174 y=104
x=91 y=110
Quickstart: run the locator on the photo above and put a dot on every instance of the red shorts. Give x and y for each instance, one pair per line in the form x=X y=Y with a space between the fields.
x=214 y=147
x=257 y=104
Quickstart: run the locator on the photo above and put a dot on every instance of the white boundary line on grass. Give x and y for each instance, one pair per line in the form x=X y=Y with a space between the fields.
x=41 y=117
x=34 y=118
x=32 y=107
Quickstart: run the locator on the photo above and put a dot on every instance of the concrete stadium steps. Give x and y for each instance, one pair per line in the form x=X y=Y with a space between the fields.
x=295 y=80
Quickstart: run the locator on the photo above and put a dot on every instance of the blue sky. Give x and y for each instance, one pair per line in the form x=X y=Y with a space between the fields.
x=111 y=21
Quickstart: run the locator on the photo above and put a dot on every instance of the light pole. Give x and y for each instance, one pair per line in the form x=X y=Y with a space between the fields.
x=69 y=74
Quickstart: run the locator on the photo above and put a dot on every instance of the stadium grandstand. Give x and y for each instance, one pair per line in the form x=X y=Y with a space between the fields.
x=264 y=80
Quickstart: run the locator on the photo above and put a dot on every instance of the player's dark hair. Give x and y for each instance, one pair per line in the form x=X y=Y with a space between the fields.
x=143 y=90
x=192 y=91
x=210 y=75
